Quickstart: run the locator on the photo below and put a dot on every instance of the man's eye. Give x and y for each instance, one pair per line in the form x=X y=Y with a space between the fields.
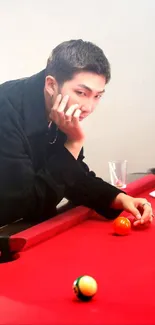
x=98 y=96
x=80 y=93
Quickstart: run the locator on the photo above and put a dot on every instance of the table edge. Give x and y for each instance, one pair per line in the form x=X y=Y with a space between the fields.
x=63 y=221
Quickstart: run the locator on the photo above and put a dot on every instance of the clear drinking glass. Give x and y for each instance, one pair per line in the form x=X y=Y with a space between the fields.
x=118 y=173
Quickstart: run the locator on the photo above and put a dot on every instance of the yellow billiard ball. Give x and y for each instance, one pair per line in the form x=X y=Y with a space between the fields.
x=85 y=287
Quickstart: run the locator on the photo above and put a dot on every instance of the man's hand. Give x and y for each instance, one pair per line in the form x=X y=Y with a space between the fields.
x=140 y=208
x=67 y=120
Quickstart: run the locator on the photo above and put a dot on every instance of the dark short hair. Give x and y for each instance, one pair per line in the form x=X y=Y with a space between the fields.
x=75 y=56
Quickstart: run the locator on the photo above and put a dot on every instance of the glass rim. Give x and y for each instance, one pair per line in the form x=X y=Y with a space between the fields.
x=118 y=161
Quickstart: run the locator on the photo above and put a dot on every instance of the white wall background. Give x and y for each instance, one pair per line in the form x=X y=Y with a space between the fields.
x=123 y=126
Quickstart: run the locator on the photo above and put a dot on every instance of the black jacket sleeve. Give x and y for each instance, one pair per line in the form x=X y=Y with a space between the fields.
x=94 y=192
x=30 y=195
x=24 y=193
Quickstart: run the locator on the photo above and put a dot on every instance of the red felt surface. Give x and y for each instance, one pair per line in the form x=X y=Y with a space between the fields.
x=37 y=287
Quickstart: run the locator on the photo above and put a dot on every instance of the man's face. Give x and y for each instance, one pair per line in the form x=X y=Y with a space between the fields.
x=85 y=89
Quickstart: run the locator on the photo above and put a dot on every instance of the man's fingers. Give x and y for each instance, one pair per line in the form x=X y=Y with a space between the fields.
x=147 y=214
x=57 y=102
x=53 y=114
x=140 y=222
x=57 y=111
x=61 y=107
x=135 y=212
x=151 y=218
x=137 y=222
x=70 y=112
x=146 y=217
x=76 y=117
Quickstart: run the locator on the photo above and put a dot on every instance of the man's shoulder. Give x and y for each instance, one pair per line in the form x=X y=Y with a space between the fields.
x=10 y=86
x=13 y=92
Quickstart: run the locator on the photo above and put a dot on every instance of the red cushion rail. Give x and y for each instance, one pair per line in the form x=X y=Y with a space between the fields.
x=70 y=218
x=53 y=226
x=141 y=185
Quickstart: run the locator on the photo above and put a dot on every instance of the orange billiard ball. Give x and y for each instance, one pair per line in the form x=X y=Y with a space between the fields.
x=122 y=226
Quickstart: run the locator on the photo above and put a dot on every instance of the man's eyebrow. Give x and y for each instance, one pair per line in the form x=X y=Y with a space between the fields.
x=89 y=89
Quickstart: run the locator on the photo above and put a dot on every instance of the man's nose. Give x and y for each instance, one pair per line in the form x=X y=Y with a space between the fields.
x=87 y=107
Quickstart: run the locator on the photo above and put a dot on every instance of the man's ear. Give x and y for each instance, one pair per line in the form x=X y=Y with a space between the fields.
x=51 y=85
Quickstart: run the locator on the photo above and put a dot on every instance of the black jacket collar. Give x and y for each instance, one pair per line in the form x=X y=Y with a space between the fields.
x=34 y=111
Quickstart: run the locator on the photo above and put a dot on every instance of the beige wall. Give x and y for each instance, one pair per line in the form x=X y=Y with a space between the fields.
x=124 y=124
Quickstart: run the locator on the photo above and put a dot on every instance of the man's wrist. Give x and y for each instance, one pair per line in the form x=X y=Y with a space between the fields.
x=74 y=147
x=118 y=201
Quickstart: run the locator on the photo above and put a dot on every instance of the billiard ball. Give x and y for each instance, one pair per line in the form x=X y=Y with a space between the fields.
x=122 y=226
x=85 y=287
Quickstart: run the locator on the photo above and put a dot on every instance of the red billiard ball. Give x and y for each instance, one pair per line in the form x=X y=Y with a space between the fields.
x=122 y=226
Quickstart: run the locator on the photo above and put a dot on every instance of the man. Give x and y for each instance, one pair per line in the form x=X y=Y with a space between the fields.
x=41 y=139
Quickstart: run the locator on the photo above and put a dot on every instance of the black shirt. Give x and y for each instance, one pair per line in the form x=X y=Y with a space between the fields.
x=34 y=173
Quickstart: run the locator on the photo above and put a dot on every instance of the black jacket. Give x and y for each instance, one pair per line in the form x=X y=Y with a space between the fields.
x=34 y=174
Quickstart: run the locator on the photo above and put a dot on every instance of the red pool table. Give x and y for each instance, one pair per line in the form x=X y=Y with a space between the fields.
x=36 y=288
